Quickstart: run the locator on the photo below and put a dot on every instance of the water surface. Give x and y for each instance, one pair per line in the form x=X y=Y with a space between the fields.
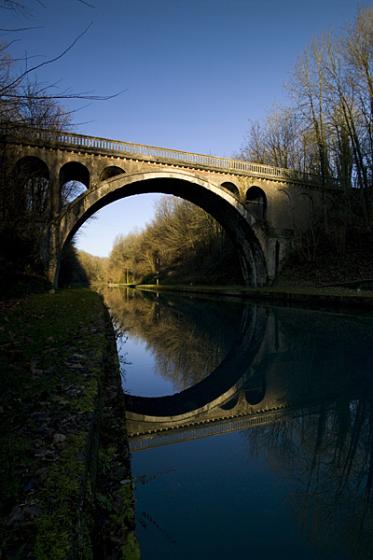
x=269 y=440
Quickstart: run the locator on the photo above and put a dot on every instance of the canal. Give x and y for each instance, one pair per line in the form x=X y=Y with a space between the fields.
x=251 y=427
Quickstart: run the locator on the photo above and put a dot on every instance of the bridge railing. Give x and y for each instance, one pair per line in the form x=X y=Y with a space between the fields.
x=147 y=152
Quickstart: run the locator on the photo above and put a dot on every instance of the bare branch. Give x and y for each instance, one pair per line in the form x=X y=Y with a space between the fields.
x=47 y=62
x=13 y=5
x=18 y=29
x=86 y=3
x=69 y=96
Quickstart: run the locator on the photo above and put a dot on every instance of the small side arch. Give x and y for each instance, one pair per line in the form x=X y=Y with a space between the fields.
x=287 y=195
x=304 y=211
x=31 y=166
x=74 y=171
x=110 y=171
x=231 y=187
x=256 y=202
x=256 y=390
x=285 y=209
x=230 y=404
x=74 y=180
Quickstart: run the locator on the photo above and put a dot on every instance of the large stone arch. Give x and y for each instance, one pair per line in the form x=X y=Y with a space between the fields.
x=222 y=205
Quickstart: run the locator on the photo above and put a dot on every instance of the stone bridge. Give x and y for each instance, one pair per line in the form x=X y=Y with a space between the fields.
x=264 y=209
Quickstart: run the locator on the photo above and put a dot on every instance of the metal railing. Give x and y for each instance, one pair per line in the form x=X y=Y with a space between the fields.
x=155 y=153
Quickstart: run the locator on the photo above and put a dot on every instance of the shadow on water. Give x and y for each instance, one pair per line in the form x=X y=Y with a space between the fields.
x=290 y=394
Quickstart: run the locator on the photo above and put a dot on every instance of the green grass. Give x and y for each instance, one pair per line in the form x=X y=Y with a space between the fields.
x=53 y=350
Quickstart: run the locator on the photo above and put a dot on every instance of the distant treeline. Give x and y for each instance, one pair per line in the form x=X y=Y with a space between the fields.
x=182 y=244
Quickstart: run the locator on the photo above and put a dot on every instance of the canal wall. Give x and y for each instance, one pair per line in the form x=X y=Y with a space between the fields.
x=65 y=477
x=323 y=297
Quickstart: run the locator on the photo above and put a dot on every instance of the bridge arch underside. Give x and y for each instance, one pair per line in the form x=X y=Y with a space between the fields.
x=224 y=207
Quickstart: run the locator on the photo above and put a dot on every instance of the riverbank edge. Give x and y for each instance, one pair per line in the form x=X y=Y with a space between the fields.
x=64 y=432
x=313 y=297
x=114 y=519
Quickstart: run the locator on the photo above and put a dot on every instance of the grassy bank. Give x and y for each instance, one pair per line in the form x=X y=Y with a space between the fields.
x=64 y=463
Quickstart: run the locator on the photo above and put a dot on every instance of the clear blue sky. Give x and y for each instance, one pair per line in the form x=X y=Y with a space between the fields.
x=194 y=72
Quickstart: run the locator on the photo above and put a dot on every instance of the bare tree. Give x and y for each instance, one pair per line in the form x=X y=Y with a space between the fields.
x=25 y=104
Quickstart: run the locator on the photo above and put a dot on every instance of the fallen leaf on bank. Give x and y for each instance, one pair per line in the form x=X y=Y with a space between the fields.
x=59 y=438
x=78 y=356
x=22 y=513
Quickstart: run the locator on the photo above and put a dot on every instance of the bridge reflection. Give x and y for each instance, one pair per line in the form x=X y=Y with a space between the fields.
x=303 y=408
x=267 y=377
x=220 y=387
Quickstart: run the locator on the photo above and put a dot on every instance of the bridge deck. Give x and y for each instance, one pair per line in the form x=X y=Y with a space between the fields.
x=106 y=146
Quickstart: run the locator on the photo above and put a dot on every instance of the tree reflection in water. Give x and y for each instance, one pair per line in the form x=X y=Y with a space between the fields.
x=188 y=340
x=328 y=447
x=329 y=454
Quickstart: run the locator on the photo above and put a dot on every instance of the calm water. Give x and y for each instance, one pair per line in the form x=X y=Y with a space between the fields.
x=269 y=416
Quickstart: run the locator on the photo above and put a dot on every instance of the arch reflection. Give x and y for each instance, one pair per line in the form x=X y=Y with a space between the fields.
x=205 y=347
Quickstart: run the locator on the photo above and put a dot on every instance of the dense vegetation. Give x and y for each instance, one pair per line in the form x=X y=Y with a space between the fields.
x=327 y=130
x=182 y=244
x=26 y=210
